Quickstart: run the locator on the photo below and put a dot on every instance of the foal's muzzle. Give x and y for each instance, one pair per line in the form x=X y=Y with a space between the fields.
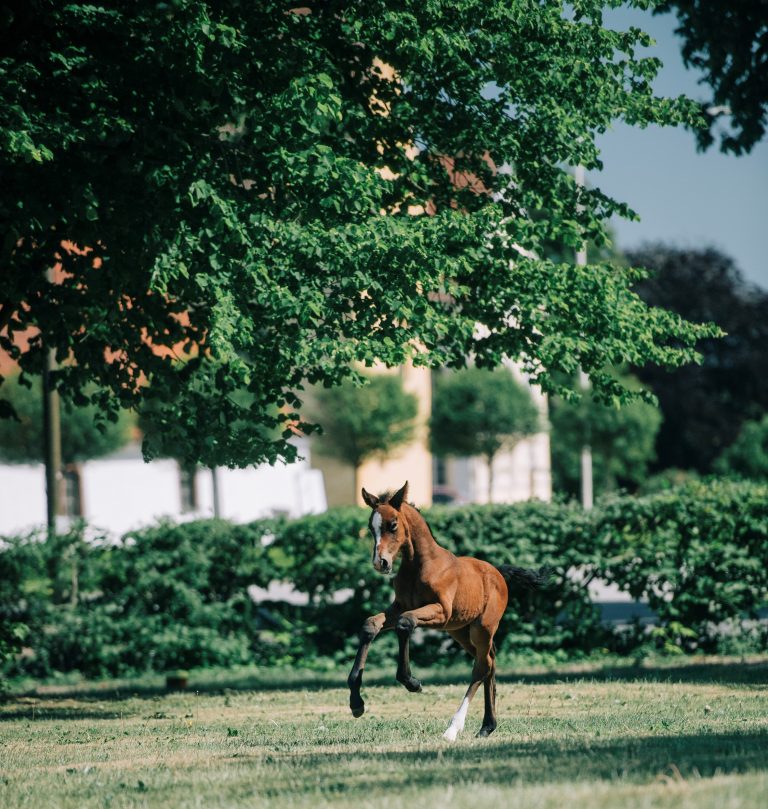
x=383 y=566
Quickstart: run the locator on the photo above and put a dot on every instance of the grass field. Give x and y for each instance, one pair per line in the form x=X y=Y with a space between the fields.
x=685 y=735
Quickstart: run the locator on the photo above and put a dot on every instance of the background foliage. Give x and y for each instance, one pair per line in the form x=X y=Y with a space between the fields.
x=83 y=434
x=178 y=595
x=729 y=47
x=622 y=441
x=747 y=457
x=705 y=405
x=477 y=412
x=364 y=421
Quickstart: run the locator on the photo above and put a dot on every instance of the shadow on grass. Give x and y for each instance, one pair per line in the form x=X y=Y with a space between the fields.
x=665 y=758
x=25 y=711
x=202 y=682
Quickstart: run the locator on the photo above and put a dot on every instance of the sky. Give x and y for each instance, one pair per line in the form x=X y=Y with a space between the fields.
x=685 y=198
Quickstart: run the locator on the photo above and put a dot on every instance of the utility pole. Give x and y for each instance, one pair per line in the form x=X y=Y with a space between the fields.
x=587 y=496
x=51 y=437
x=216 y=492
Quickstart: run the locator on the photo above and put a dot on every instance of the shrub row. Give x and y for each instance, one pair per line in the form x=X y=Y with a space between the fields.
x=177 y=596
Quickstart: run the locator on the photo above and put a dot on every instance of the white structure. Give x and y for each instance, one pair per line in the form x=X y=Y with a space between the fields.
x=121 y=492
x=522 y=473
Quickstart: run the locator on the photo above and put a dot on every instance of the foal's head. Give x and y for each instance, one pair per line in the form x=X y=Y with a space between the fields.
x=387 y=526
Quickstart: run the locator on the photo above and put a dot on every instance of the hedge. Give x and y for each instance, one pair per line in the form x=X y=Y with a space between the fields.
x=177 y=596
x=698 y=555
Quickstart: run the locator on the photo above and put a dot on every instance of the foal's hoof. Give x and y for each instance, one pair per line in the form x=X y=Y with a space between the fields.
x=358 y=709
x=411 y=683
x=485 y=731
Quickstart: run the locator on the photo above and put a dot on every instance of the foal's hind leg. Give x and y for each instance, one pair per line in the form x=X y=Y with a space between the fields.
x=482 y=640
x=489 y=692
x=461 y=636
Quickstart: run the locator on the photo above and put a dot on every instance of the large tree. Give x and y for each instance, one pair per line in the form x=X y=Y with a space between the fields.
x=728 y=43
x=704 y=406
x=278 y=192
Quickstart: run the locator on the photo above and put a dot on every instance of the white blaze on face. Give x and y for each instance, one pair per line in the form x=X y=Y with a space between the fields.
x=376 y=527
x=457 y=723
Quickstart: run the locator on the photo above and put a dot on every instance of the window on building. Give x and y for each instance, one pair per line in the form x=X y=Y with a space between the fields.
x=439 y=471
x=188 y=488
x=73 y=492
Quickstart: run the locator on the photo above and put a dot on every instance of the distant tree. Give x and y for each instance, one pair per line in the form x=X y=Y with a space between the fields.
x=704 y=406
x=480 y=412
x=728 y=43
x=83 y=434
x=368 y=421
x=621 y=439
x=747 y=457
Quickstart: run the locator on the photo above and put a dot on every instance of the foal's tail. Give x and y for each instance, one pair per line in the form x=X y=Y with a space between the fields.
x=525 y=577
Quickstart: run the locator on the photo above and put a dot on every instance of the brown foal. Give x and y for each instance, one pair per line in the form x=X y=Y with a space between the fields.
x=433 y=588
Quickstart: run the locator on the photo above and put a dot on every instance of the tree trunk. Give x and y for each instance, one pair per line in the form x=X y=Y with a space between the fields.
x=52 y=446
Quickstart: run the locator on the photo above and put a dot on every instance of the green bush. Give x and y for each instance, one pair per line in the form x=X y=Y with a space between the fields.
x=172 y=596
x=698 y=554
x=176 y=596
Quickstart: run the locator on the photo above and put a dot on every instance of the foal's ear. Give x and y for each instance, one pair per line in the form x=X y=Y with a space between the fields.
x=399 y=497
x=370 y=500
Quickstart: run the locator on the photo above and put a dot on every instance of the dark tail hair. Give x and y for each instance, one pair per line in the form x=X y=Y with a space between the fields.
x=521 y=576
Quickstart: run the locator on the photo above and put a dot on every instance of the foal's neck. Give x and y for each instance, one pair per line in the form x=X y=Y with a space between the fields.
x=422 y=542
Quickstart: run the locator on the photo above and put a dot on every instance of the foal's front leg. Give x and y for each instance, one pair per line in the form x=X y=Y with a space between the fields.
x=371 y=628
x=431 y=615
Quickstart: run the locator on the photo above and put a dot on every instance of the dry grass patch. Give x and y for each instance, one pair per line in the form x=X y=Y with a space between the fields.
x=669 y=737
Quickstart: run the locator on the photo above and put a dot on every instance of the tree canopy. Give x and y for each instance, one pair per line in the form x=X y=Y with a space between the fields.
x=747 y=457
x=280 y=194
x=728 y=42
x=704 y=406
x=479 y=412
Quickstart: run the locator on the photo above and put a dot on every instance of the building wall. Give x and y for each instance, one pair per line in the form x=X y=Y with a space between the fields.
x=121 y=492
x=521 y=473
x=412 y=462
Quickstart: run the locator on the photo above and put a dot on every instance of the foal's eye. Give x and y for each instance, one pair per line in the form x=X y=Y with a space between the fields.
x=393 y=526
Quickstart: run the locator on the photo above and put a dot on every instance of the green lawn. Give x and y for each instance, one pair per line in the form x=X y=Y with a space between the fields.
x=685 y=735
